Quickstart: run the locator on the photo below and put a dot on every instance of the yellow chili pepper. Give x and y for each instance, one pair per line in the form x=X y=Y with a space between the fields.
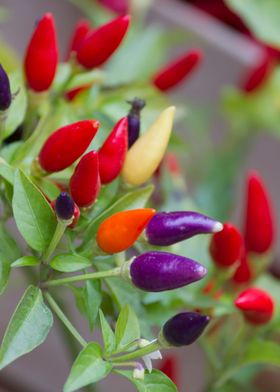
x=147 y=152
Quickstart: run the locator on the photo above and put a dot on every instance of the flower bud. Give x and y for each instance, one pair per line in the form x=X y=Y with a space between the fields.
x=160 y=271
x=64 y=206
x=167 y=228
x=183 y=329
x=134 y=119
x=256 y=305
x=5 y=91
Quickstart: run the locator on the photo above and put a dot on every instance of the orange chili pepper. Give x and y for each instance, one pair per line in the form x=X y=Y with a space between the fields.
x=119 y=232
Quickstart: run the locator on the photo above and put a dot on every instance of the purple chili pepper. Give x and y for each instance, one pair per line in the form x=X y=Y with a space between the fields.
x=167 y=228
x=5 y=90
x=64 y=206
x=159 y=271
x=184 y=328
x=133 y=118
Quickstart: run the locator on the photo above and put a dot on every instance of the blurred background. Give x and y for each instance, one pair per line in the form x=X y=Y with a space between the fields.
x=230 y=53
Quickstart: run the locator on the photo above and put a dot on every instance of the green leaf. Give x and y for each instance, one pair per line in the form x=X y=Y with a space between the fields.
x=127 y=328
x=88 y=368
x=87 y=78
x=28 y=327
x=33 y=215
x=18 y=107
x=261 y=351
x=92 y=299
x=6 y=171
x=69 y=262
x=4 y=274
x=131 y=200
x=107 y=335
x=153 y=382
x=263 y=17
x=26 y=261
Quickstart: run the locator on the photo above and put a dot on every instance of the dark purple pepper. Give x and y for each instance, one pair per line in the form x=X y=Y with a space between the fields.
x=184 y=328
x=167 y=228
x=134 y=119
x=159 y=271
x=64 y=206
x=5 y=90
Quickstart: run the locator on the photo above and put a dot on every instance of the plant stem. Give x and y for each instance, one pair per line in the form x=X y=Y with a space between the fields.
x=122 y=364
x=79 y=278
x=64 y=319
x=59 y=231
x=138 y=353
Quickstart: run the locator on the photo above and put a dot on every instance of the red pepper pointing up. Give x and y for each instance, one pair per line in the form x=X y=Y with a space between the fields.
x=85 y=182
x=101 y=43
x=112 y=153
x=259 y=223
x=41 y=57
x=175 y=72
x=81 y=29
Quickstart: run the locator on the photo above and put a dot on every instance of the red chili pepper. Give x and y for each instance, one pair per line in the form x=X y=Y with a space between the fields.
x=66 y=145
x=243 y=273
x=119 y=232
x=175 y=72
x=101 y=43
x=226 y=246
x=41 y=57
x=85 y=181
x=171 y=366
x=256 y=305
x=258 y=75
x=113 y=151
x=259 y=218
x=81 y=29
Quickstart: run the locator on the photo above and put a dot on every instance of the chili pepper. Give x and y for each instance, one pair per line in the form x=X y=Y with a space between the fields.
x=112 y=153
x=167 y=228
x=170 y=366
x=85 y=181
x=119 y=232
x=149 y=149
x=174 y=73
x=257 y=76
x=66 y=145
x=183 y=329
x=160 y=271
x=243 y=273
x=64 y=206
x=101 y=43
x=81 y=30
x=256 y=305
x=76 y=214
x=259 y=218
x=71 y=94
x=226 y=246
x=5 y=90
x=133 y=118
x=41 y=57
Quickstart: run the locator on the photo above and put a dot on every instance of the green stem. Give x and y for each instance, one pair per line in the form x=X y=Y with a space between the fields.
x=79 y=278
x=138 y=353
x=122 y=364
x=59 y=231
x=64 y=319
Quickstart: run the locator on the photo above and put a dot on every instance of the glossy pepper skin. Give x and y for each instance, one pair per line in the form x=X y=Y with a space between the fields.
x=243 y=273
x=167 y=228
x=66 y=145
x=41 y=57
x=259 y=229
x=100 y=44
x=226 y=246
x=81 y=30
x=119 y=232
x=160 y=271
x=85 y=181
x=5 y=90
x=112 y=153
x=174 y=73
x=133 y=118
x=149 y=149
x=64 y=206
x=256 y=305
x=184 y=328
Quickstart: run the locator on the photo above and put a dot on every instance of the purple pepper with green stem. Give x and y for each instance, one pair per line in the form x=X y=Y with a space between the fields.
x=64 y=206
x=159 y=271
x=183 y=329
x=5 y=90
x=133 y=118
x=167 y=228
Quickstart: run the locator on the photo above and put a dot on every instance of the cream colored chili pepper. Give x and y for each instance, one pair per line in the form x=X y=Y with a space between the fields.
x=147 y=152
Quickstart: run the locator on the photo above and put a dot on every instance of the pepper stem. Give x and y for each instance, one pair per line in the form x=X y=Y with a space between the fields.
x=64 y=319
x=150 y=348
x=59 y=231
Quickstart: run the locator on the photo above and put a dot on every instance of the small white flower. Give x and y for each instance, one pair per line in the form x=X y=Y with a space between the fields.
x=139 y=372
x=147 y=359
